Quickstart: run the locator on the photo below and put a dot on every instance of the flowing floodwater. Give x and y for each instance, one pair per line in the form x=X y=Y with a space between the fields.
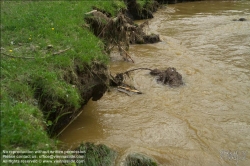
x=206 y=121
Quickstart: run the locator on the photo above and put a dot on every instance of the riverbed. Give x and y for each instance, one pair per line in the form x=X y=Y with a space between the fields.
x=204 y=122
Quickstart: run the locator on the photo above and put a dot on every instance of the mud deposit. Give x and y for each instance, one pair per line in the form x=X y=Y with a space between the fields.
x=204 y=122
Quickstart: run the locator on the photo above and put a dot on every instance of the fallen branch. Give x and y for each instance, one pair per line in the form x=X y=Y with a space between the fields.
x=127 y=55
x=123 y=91
x=17 y=56
x=60 y=51
x=169 y=76
x=141 y=68
x=23 y=57
x=118 y=80
x=128 y=88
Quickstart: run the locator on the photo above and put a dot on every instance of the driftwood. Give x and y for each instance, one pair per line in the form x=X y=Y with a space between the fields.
x=124 y=91
x=127 y=89
x=130 y=89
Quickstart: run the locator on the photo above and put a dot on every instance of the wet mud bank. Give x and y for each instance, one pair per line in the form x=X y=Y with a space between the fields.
x=90 y=80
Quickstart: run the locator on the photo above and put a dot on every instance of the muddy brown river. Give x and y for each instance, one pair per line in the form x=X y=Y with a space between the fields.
x=205 y=122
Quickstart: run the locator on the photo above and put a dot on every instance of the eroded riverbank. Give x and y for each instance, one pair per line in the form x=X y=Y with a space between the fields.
x=201 y=123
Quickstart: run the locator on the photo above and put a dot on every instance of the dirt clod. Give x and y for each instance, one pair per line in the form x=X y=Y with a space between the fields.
x=170 y=76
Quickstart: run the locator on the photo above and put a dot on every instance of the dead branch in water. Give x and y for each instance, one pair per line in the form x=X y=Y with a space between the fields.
x=130 y=89
x=123 y=91
x=169 y=76
x=140 y=68
x=127 y=89
x=118 y=81
x=119 y=78
x=121 y=50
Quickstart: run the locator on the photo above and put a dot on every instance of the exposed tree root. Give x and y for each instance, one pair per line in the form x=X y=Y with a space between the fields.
x=118 y=32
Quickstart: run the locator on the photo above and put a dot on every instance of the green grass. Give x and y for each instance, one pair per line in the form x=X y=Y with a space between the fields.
x=31 y=33
x=144 y=3
x=96 y=155
x=14 y=122
x=138 y=159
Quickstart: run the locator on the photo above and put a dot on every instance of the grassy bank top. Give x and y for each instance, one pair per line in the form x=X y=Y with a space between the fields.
x=40 y=40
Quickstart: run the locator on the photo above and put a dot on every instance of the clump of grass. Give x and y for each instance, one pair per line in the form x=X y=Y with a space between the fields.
x=143 y=3
x=60 y=93
x=109 y=7
x=139 y=160
x=146 y=4
x=142 y=9
x=16 y=133
x=32 y=74
x=96 y=155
